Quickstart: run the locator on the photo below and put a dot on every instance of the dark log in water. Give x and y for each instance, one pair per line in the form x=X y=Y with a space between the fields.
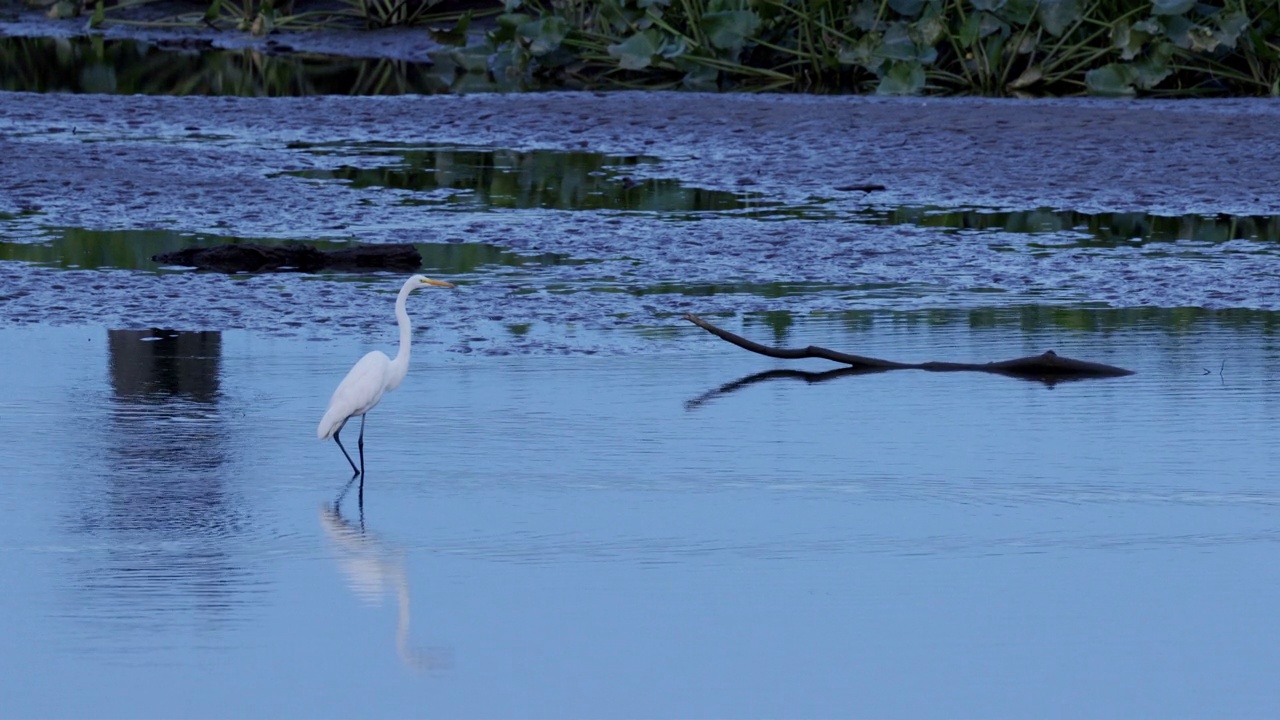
x=1048 y=366
x=297 y=258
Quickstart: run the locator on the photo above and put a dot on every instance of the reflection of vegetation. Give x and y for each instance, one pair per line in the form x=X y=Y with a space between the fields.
x=765 y=290
x=1024 y=319
x=1103 y=228
x=527 y=179
x=132 y=250
x=778 y=321
x=126 y=67
x=1030 y=318
x=92 y=249
x=261 y=17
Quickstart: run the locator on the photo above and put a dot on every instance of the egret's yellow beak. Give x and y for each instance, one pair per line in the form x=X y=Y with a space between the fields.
x=437 y=283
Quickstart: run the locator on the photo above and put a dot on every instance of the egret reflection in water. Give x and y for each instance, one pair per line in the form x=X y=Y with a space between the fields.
x=374 y=569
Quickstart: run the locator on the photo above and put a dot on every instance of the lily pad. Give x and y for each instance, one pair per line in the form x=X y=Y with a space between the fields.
x=1057 y=15
x=903 y=78
x=1171 y=7
x=863 y=53
x=637 y=51
x=1114 y=80
x=729 y=30
x=909 y=8
x=898 y=44
x=544 y=35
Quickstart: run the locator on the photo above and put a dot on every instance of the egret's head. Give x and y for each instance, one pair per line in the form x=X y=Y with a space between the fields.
x=418 y=281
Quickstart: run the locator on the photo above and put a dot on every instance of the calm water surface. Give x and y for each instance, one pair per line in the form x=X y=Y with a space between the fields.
x=639 y=536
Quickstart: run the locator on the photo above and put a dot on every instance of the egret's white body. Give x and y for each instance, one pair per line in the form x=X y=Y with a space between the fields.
x=371 y=377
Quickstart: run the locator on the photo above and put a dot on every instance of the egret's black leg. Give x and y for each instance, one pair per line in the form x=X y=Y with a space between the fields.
x=344 y=450
x=360 y=443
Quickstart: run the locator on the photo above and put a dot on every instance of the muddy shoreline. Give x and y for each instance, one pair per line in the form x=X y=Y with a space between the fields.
x=215 y=165
x=1163 y=157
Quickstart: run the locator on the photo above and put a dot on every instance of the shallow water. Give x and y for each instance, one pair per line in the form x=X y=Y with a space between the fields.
x=579 y=505
x=633 y=536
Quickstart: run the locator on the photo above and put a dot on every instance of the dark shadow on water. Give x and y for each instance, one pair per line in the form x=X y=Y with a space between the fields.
x=374 y=569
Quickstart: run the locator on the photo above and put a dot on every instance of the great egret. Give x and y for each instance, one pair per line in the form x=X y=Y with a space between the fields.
x=373 y=375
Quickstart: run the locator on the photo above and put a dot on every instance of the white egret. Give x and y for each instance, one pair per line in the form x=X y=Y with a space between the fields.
x=374 y=374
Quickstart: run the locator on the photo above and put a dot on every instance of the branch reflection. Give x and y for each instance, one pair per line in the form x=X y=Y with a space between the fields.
x=810 y=377
x=374 y=569
x=807 y=376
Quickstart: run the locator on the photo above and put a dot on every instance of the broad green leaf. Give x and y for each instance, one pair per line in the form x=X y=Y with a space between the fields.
x=1114 y=80
x=504 y=30
x=513 y=21
x=903 y=78
x=729 y=30
x=897 y=43
x=987 y=5
x=994 y=53
x=1171 y=7
x=968 y=34
x=928 y=31
x=989 y=23
x=863 y=53
x=1020 y=12
x=645 y=4
x=979 y=25
x=1150 y=73
x=544 y=35
x=1178 y=29
x=637 y=51
x=909 y=8
x=1057 y=15
x=1231 y=25
x=866 y=16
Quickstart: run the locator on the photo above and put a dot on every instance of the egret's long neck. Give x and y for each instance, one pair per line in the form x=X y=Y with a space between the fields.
x=400 y=365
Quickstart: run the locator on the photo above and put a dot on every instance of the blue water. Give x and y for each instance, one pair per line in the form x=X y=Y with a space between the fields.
x=608 y=536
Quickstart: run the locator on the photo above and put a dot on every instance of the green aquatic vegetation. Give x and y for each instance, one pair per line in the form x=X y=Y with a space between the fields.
x=889 y=47
x=892 y=47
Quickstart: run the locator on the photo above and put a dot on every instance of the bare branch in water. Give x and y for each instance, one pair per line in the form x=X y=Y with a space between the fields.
x=1047 y=367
